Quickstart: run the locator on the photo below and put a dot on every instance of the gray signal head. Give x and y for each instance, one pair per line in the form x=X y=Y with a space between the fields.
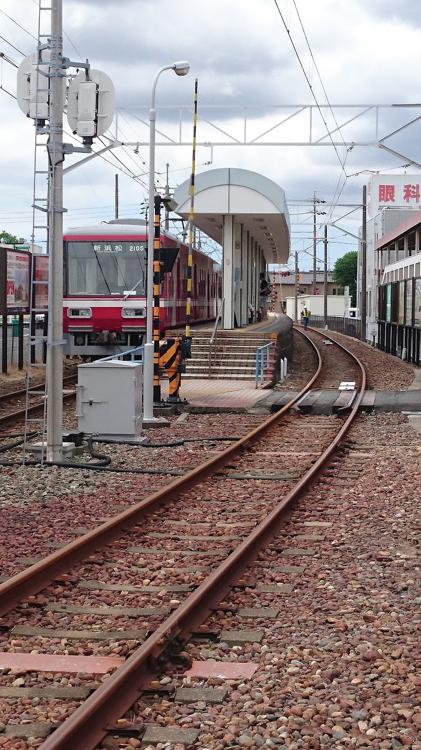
x=32 y=85
x=90 y=103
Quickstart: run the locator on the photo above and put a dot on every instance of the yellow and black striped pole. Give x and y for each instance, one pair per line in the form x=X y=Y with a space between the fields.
x=156 y=297
x=191 y=218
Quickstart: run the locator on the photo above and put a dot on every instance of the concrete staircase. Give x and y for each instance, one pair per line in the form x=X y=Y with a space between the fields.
x=233 y=356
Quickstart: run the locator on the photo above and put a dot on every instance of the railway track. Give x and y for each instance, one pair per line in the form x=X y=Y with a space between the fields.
x=12 y=403
x=154 y=538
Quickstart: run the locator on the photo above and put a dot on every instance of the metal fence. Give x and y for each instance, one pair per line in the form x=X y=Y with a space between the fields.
x=401 y=340
x=348 y=326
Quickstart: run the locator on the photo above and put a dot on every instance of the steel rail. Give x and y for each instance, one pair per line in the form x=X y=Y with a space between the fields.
x=86 y=727
x=22 y=391
x=37 y=576
x=33 y=408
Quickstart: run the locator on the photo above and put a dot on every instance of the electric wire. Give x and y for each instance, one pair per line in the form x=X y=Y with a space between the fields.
x=338 y=189
x=131 y=173
x=318 y=72
x=309 y=83
x=6 y=91
x=18 y=24
x=3 y=38
x=8 y=59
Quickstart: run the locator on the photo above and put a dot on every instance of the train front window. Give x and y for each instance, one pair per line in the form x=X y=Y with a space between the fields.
x=103 y=267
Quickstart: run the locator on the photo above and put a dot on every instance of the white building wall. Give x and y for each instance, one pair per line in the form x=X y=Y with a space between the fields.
x=337 y=305
x=377 y=227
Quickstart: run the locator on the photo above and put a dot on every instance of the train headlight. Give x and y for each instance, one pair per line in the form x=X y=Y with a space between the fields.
x=80 y=312
x=133 y=312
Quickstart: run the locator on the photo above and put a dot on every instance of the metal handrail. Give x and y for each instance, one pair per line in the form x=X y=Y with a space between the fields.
x=132 y=352
x=262 y=354
x=214 y=335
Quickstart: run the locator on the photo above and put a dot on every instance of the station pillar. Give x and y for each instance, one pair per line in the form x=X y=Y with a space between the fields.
x=238 y=273
x=228 y=273
x=243 y=283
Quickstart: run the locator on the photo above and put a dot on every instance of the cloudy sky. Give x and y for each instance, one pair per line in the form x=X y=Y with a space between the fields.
x=365 y=52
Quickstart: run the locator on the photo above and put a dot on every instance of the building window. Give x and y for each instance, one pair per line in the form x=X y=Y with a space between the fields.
x=417 y=316
x=334 y=290
x=408 y=302
x=389 y=303
x=401 y=303
x=411 y=244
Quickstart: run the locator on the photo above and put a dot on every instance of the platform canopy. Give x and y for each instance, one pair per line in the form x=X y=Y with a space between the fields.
x=256 y=202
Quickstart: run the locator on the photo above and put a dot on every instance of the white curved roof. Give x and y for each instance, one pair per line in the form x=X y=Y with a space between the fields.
x=255 y=201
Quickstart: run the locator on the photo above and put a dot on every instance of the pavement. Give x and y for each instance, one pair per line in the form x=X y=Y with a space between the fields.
x=416 y=383
x=219 y=395
x=230 y=395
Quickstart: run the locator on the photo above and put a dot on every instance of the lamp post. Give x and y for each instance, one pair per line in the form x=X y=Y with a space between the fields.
x=180 y=69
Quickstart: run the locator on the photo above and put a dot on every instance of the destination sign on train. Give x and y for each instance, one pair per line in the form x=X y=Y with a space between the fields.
x=117 y=247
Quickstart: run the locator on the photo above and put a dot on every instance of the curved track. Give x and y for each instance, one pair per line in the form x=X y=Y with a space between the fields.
x=85 y=727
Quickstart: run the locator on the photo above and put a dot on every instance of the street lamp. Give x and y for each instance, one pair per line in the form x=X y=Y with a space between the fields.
x=180 y=69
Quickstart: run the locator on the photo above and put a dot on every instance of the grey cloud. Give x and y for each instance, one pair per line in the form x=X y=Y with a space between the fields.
x=403 y=10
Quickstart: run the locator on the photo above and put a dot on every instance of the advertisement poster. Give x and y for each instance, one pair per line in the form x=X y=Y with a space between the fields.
x=17 y=281
x=41 y=276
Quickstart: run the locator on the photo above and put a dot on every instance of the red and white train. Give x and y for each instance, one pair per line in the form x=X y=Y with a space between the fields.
x=105 y=286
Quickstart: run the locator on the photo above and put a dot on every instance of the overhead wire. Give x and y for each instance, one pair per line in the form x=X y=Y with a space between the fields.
x=6 y=91
x=131 y=157
x=18 y=24
x=342 y=161
x=12 y=45
x=338 y=127
x=131 y=173
x=297 y=54
x=8 y=59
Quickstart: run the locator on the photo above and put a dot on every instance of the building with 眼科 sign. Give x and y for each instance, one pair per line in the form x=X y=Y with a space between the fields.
x=392 y=200
x=399 y=289
x=397 y=191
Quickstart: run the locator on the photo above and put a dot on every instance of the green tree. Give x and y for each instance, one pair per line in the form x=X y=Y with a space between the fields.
x=345 y=273
x=8 y=239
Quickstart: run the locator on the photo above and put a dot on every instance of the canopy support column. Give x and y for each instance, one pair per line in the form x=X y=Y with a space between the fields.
x=228 y=272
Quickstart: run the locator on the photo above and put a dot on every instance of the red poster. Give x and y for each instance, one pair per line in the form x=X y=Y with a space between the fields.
x=41 y=282
x=17 y=281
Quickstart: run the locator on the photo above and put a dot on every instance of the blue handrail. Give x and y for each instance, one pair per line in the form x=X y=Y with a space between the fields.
x=119 y=355
x=262 y=362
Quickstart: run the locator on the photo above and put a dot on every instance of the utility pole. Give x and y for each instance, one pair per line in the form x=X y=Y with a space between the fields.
x=363 y=292
x=296 y=288
x=314 y=243
x=55 y=293
x=167 y=196
x=325 y=279
x=116 y=196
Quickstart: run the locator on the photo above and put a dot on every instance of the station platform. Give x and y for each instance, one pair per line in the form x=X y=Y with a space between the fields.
x=221 y=375
x=231 y=354
x=219 y=395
